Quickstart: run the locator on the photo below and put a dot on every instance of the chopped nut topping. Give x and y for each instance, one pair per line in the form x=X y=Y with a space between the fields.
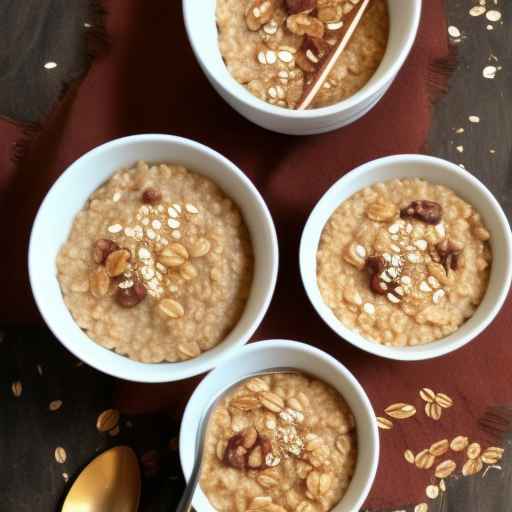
x=429 y=212
x=131 y=296
x=102 y=249
x=151 y=196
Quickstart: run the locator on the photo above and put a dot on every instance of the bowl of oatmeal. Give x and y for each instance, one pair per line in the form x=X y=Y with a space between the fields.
x=149 y=273
x=407 y=257
x=263 y=55
x=304 y=440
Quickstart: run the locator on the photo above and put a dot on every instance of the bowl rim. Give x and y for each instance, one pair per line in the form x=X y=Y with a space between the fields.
x=433 y=349
x=366 y=93
x=311 y=352
x=139 y=371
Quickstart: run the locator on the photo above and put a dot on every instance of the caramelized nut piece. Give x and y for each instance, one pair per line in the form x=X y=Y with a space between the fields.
x=296 y=6
x=258 y=13
x=302 y=24
x=330 y=13
x=99 y=282
x=375 y=265
x=448 y=254
x=317 y=46
x=429 y=212
x=171 y=308
x=117 y=262
x=129 y=297
x=235 y=454
x=151 y=196
x=355 y=255
x=102 y=249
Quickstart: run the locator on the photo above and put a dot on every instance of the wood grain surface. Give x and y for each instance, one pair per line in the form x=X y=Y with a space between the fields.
x=30 y=478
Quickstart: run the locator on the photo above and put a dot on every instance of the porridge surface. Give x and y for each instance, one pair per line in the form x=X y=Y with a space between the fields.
x=158 y=264
x=404 y=262
x=279 y=443
x=278 y=53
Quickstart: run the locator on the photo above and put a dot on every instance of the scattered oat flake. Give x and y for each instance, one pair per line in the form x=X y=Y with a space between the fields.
x=492 y=151
x=454 y=32
x=409 y=456
x=489 y=72
x=115 y=228
x=427 y=395
x=445 y=469
x=472 y=467
x=384 y=423
x=55 y=405
x=493 y=15
x=421 y=507
x=107 y=420
x=50 y=65
x=432 y=491
x=474 y=119
x=460 y=149
x=459 y=130
x=60 y=455
x=433 y=410
x=442 y=485
x=477 y=10
x=17 y=388
x=444 y=400
x=191 y=208
x=459 y=443
x=369 y=308
x=400 y=410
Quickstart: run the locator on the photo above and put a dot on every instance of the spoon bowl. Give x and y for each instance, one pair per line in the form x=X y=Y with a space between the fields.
x=186 y=500
x=110 y=482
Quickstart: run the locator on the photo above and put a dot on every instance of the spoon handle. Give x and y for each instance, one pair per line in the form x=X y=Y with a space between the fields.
x=185 y=504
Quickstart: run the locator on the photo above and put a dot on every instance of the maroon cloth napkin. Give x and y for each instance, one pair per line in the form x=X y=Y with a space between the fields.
x=149 y=81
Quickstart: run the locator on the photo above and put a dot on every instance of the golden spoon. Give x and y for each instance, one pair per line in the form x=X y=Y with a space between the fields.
x=110 y=483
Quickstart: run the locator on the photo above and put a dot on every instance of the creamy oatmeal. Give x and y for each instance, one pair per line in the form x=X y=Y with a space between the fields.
x=278 y=443
x=158 y=264
x=276 y=48
x=404 y=262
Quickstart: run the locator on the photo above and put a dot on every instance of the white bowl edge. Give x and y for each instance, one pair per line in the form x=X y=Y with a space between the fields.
x=71 y=190
x=435 y=170
x=201 y=28
x=268 y=354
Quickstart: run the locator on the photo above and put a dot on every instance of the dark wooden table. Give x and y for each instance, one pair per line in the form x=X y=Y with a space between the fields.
x=30 y=478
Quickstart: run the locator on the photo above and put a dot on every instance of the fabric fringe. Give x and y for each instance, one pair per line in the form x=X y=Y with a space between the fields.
x=97 y=43
x=497 y=421
x=439 y=73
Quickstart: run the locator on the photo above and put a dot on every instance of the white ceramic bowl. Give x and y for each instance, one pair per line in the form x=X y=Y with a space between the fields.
x=270 y=354
x=67 y=197
x=436 y=171
x=202 y=33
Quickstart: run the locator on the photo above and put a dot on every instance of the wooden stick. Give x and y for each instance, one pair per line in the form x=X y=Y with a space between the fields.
x=333 y=58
